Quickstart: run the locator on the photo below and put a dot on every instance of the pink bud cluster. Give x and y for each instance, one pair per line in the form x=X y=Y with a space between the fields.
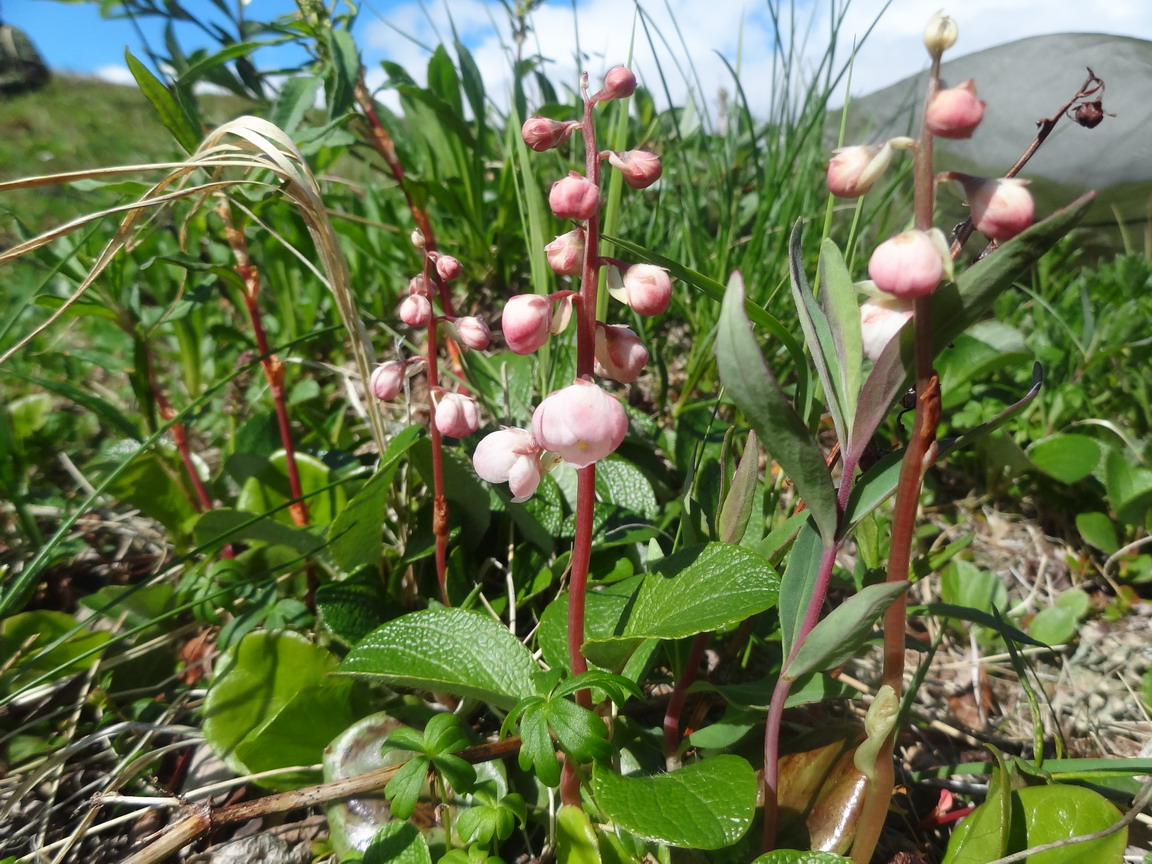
x=581 y=423
x=455 y=414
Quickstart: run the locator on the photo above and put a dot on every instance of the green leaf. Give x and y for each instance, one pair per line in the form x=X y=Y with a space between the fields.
x=579 y=731
x=344 y=70
x=24 y=635
x=781 y=431
x=150 y=484
x=403 y=790
x=837 y=637
x=737 y=507
x=254 y=680
x=956 y=307
x=225 y=525
x=575 y=837
x=964 y=584
x=1098 y=529
x=270 y=490
x=706 y=805
x=798 y=582
x=1067 y=457
x=793 y=856
x=975 y=616
x=536 y=749
x=296 y=98
x=605 y=607
x=353 y=608
x=461 y=652
x=1042 y=814
x=355 y=535
x=1055 y=625
x=1129 y=488
x=173 y=114
x=225 y=55
x=699 y=589
x=843 y=310
x=398 y=843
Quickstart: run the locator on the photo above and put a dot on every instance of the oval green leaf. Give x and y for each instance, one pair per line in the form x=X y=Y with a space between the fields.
x=1068 y=458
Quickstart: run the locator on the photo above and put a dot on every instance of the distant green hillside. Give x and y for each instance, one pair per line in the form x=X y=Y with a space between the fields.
x=76 y=123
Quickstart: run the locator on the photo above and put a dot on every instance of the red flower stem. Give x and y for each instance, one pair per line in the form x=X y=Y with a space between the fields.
x=916 y=453
x=440 y=528
x=586 y=476
x=680 y=694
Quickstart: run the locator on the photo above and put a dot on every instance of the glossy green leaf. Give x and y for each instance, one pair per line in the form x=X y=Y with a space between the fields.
x=575 y=837
x=454 y=650
x=699 y=589
x=839 y=634
x=270 y=490
x=605 y=609
x=1067 y=457
x=253 y=681
x=795 y=856
x=398 y=843
x=355 y=535
x=705 y=805
x=173 y=114
x=781 y=431
x=956 y=307
x=353 y=608
x=1098 y=529
x=622 y=483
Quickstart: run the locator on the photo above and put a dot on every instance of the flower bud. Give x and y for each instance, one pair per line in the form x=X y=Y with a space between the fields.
x=416 y=310
x=908 y=265
x=580 y=423
x=542 y=134
x=417 y=238
x=387 y=381
x=419 y=284
x=955 y=112
x=880 y=320
x=619 y=83
x=456 y=415
x=473 y=332
x=574 y=197
x=853 y=170
x=645 y=287
x=526 y=322
x=1000 y=209
x=940 y=34
x=448 y=268
x=641 y=168
x=620 y=355
x=566 y=253
x=510 y=456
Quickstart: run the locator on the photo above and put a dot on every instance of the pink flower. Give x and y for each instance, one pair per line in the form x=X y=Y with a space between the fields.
x=542 y=134
x=880 y=320
x=853 y=170
x=566 y=253
x=512 y=456
x=580 y=423
x=641 y=168
x=1000 y=209
x=955 y=112
x=645 y=287
x=419 y=284
x=387 y=381
x=574 y=197
x=618 y=84
x=416 y=310
x=620 y=355
x=473 y=332
x=448 y=268
x=907 y=265
x=456 y=415
x=526 y=322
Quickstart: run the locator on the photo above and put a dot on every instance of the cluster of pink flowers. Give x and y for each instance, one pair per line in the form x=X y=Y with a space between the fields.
x=914 y=263
x=456 y=414
x=581 y=423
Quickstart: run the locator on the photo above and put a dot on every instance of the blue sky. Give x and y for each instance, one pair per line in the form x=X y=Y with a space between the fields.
x=698 y=35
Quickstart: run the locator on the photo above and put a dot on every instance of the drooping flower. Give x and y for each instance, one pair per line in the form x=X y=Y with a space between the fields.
x=910 y=264
x=387 y=381
x=940 y=34
x=456 y=415
x=853 y=170
x=1000 y=209
x=641 y=168
x=956 y=112
x=620 y=355
x=448 y=268
x=645 y=287
x=473 y=332
x=574 y=197
x=510 y=456
x=526 y=322
x=416 y=310
x=880 y=320
x=580 y=423
x=618 y=84
x=541 y=133
x=566 y=253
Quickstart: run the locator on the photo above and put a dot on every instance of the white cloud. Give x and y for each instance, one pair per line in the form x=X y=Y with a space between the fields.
x=693 y=38
x=114 y=74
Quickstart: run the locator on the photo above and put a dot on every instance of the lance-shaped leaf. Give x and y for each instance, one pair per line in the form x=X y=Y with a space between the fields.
x=757 y=393
x=737 y=507
x=955 y=308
